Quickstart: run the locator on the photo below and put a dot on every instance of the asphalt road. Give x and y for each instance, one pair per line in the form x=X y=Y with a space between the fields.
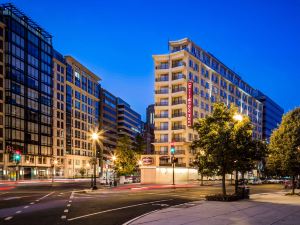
x=68 y=204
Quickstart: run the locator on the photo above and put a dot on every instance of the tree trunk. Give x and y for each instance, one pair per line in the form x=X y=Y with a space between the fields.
x=236 y=182
x=223 y=184
x=293 y=184
x=201 y=184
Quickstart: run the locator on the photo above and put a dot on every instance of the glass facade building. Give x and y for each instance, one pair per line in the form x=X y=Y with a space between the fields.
x=28 y=95
x=272 y=115
x=129 y=121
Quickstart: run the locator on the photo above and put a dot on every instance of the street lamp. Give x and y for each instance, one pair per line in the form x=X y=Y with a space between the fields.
x=113 y=158
x=95 y=138
x=238 y=117
x=54 y=162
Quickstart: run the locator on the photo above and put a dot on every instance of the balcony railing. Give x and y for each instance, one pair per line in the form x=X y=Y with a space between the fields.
x=177 y=102
x=177 y=64
x=179 y=114
x=161 y=116
x=162 y=67
x=161 y=152
x=161 y=103
x=179 y=152
x=178 y=76
x=162 y=91
x=178 y=127
x=161 y=128
x=178 y=89
x=162 y=79
x=178 y=139
x=161 y=141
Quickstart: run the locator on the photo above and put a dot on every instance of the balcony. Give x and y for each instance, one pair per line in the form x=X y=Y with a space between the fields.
x=178 y=127
x=161 y=116
x=161 y=152
x=162 y=91
x=178 y=102
x=161 y=79
x=179 y=114
x=178 y=139
x=178 y=77
x=161 y=141
x=178 y=89
x=179 y=152
x=161 y=103
x=162 y=67
x=161 y=128
x=178 y=64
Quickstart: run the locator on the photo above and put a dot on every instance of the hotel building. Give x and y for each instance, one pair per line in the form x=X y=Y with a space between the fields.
x=26 y=67
x=188 y=80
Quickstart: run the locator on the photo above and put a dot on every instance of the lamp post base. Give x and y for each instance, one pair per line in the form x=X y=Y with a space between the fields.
x=94 y=188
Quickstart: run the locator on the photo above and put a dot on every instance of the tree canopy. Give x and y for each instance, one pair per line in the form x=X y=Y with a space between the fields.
x=126 y=157
x=284 y=148
x=226 y=142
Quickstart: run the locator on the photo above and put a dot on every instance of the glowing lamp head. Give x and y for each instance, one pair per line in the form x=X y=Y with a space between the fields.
x=95 y=136
x=238 y=117
x=113 y=158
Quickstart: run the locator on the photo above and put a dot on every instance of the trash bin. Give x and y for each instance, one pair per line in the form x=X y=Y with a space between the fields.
x=115 y=183
x=244 y=192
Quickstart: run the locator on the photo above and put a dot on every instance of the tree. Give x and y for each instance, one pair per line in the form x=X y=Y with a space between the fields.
x=215 y=139
x=126 y=157
x=248 y=151
x=82 y=171
x=139 y=145
x=204 y=164
x=284 y=148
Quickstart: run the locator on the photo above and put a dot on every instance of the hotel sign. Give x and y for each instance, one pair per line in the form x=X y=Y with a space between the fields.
x=147 y=160
x=190 y=104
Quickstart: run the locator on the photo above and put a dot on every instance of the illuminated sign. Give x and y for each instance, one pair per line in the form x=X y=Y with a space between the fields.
x=147 y=160
x=190 y=104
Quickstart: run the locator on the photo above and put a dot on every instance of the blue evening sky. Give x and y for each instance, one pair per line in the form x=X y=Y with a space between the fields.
x=259 y=39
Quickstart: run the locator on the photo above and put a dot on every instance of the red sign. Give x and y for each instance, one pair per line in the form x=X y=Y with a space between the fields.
x=147 y=160
x=190 y=104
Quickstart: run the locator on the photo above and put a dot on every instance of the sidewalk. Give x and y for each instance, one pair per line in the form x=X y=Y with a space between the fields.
x=261 y=209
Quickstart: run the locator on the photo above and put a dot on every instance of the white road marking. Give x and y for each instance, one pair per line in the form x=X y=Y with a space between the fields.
x=45 y=196
x=68 y=205
x=124 y=207
x=31 y=203
x=66 y=210
x=70 y=200
x=18 y=212
x=8 y=218
x=25 y=207
x=18 y=197
x=63 y=217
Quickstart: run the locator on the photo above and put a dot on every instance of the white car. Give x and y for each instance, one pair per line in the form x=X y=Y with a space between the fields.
x=254 y=181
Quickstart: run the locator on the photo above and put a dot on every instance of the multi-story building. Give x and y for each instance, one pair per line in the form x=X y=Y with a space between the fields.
x=59 y=112
x=272 y=115
x=129 y=121
x=2 y=75
x=82 y=117
x=28 y=95
x=188 y=81
x=108 y=122
x=149 y=129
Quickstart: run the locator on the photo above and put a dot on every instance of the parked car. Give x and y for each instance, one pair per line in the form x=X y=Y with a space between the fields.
x=242 y=181
x=255 y=181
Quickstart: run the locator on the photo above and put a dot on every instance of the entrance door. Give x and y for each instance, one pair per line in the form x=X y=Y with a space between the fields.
x=27 y=173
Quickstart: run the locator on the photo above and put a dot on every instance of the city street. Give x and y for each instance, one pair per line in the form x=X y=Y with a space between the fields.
x=67 y=203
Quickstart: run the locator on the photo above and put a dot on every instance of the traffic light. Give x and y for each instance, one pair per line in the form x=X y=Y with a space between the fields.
x=172 y=148
x=17 y=156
